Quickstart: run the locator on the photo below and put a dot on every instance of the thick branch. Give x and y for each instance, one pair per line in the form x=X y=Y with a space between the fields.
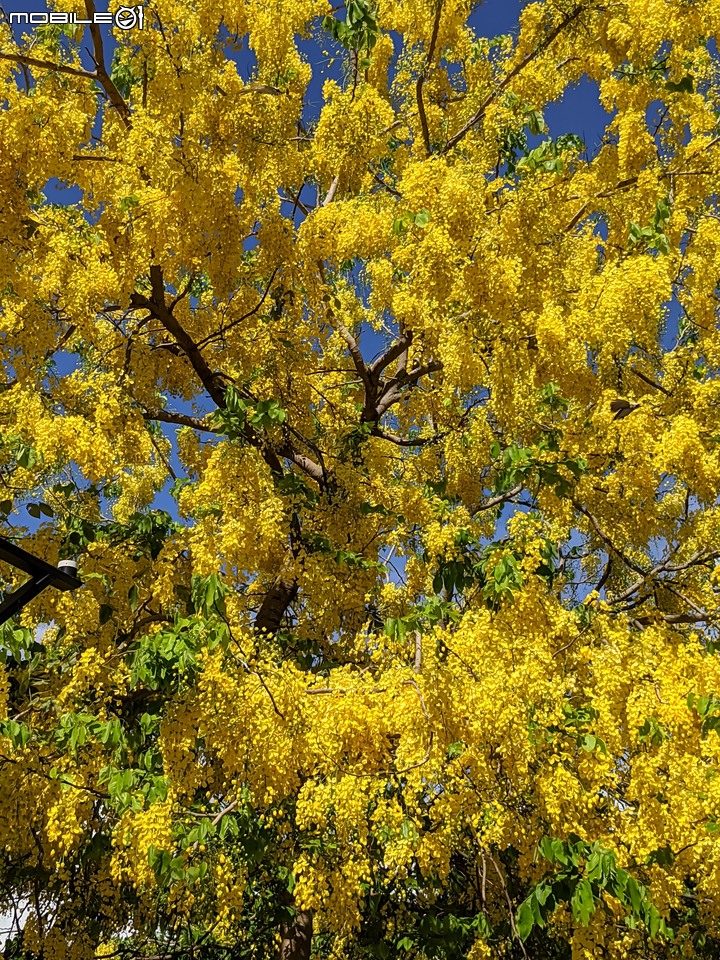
x=392 y=391
x=357 y=357
x=392 y=353
x=103 y=77
x=330 y=196
x=296 y=934
x=212 y=381
x=307 y=465
x=278 y=598
x=673 y=618
x=159 y=310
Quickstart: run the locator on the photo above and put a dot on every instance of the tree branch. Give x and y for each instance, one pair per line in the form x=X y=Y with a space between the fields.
x=496 y=501
x=421 y=78
x=392 y=353
x=159 y=310
x=181 y=419
x=101 y=74
x=480 y=113
x=48 y=65
x=392 y=391
x=606 y=540
x=223 y=330
x=278 y=598
x=405 y=441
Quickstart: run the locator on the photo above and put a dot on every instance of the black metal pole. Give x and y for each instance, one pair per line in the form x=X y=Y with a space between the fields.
x=42 y=575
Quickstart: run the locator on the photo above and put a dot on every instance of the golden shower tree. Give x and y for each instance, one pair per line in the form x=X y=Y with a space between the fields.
x=421 y=660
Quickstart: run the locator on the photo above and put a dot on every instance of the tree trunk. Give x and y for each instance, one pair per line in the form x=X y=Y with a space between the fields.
x=297 y=937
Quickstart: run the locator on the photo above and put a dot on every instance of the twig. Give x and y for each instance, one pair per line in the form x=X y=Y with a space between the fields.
x=223 y=330
x=509 y=903
x=649 y=382
x=574 y=639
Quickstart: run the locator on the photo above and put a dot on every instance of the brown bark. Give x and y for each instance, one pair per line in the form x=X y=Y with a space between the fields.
x=278 y=598
x=297 y=937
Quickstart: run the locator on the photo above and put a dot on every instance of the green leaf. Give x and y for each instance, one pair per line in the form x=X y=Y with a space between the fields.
x=686 y=85
x=546 y=849
x=635 y=893
x=653 y=920
x=422 y=219
x=19 y=733
x=524 y=920
x=26 y=457
x=542 y=893
x=133 y=597
x=128 y=202
x=583 y=901
x=106 y=612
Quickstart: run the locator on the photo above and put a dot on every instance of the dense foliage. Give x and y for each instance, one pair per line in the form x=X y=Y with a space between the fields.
x=383 y=422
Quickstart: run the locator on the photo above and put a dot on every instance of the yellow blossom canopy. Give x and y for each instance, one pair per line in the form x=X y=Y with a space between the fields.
x=382 y=420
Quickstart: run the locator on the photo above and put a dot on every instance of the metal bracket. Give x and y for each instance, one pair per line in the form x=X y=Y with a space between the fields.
x=42 y=575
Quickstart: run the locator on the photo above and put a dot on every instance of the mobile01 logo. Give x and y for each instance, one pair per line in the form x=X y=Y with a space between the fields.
x=125 y=18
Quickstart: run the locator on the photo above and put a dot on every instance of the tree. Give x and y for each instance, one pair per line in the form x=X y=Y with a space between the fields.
x=383 y=424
